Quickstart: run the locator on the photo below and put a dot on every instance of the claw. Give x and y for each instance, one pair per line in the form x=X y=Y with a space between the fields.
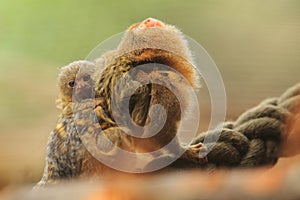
x=196 y=153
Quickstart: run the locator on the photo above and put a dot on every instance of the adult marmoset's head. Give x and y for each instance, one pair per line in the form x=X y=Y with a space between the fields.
x=152 y=33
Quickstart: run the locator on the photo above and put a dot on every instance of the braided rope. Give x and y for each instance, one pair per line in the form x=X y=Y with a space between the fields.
x=254 y=139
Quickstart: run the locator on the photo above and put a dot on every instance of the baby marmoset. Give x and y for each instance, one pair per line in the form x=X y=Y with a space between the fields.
x=65 y=152
x=66 y=155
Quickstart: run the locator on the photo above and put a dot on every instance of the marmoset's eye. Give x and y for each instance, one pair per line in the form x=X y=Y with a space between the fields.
x=72 y=83
x=86 y=77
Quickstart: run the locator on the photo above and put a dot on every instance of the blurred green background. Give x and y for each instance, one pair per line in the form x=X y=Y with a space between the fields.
x=255 y=44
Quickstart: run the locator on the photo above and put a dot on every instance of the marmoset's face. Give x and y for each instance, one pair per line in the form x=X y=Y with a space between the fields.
x=82 y=86
x=76 y=83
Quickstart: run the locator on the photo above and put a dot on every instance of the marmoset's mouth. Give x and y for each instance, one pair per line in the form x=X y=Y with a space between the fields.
x=83 y=93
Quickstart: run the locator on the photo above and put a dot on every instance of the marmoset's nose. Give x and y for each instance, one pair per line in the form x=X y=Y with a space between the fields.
x=151 y=23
